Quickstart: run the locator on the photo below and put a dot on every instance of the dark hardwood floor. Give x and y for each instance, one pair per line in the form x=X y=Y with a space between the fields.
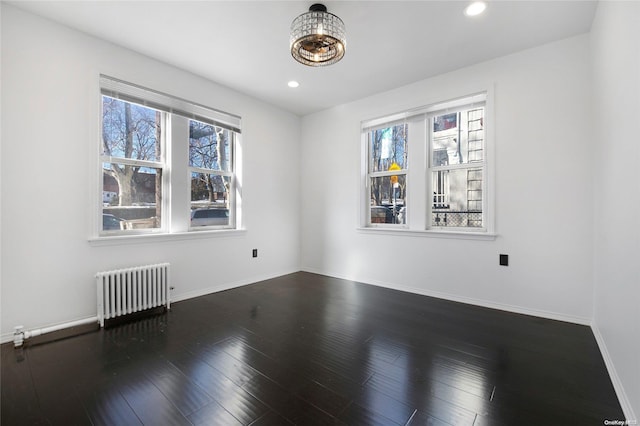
x=311 y=350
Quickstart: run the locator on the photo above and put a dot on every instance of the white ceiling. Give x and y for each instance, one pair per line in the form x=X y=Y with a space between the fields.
x=245 y=44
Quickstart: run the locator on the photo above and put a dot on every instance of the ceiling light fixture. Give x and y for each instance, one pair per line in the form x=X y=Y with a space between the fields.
x=317 y=37
x=293 y=84
x=475 y=8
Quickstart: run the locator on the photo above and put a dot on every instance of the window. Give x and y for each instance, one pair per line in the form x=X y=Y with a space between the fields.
x=211 y=171
x=132 y=165
x=387 y=173
x=457 y=168
x=448 y=189
x=150 y=141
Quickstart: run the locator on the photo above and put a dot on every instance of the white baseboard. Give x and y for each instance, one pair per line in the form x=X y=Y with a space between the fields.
x=615 y=379
x=228 y=286
x=467 y=300
x=8 y=337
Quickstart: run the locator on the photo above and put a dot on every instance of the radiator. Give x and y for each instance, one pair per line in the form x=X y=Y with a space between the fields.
x=126 y=291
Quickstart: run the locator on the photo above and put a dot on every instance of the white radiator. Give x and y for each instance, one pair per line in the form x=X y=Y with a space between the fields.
x=126 y=291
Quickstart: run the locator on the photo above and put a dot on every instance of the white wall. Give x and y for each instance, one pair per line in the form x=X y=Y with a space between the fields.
x=544 y=196
x=550 y=173
x=50 y=131
x=615 y=39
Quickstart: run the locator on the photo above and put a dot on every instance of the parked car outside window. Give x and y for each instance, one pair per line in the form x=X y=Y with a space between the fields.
x=210 y=217
x=381 y=214
x=111 y=222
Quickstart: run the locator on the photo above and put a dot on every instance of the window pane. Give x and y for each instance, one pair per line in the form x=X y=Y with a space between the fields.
x=131 y=197
x=209 y=216
x=458 y=138
x=209 y=146
x=388 y=199
x=130 y=130
x=210 y=199
x=457 y=198
x=388 y=148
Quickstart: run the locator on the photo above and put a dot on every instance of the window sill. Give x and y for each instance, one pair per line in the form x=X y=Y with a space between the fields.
x=460 y=235
x=160 y=237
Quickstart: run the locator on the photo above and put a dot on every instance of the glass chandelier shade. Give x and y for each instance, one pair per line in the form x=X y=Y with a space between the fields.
x=317 y=37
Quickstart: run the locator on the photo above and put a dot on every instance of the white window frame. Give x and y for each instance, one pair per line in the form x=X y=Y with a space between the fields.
x=232 y=187
x=475 y=101
x=372 y=175
x=420 y=195
x=174 y=163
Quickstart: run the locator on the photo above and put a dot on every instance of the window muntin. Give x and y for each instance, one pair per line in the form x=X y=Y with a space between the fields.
x=456 y=144
x=387 y=161
x=132 y=166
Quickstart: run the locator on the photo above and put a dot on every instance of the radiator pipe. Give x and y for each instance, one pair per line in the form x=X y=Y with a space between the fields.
x=20 y=335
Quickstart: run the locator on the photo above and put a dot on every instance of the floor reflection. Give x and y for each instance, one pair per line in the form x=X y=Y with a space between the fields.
x=307 y=349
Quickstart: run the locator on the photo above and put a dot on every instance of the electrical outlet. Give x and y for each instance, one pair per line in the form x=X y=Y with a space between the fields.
x=255 y=253
x=504 y=260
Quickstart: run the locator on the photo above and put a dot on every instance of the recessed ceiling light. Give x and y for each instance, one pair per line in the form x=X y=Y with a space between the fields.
x=293 y=84
x=475 y=8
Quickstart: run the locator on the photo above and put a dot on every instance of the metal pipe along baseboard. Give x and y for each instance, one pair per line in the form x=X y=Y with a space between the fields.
x=20 y=335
